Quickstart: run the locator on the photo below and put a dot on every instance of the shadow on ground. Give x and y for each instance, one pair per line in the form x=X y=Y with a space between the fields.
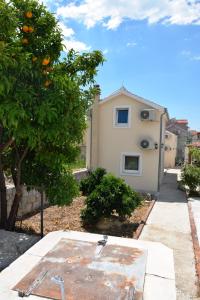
x=170 y=188
x=12 y=245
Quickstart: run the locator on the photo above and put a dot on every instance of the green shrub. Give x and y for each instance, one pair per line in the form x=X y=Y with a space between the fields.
x=191 y=177
x=111 y=196
x=195 y=154
x=88 y=185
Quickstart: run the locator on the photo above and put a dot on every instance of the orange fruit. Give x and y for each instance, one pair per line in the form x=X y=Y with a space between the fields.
x=28 y=14
x=34 y=58
x=45 y=61
x=25 y=28
x=30 y=29
x=25 y=41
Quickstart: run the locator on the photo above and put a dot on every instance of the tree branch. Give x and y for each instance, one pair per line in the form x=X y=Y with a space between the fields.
x=23 y=155
x=19 y=166
x=6 y=145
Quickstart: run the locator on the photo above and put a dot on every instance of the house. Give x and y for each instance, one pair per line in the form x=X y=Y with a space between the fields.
x=126 y=137
x=195 y=136
x=180 y=128
x=193 y=142
x=170 y=149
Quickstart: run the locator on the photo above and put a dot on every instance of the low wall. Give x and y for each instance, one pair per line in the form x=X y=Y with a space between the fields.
x=31 y=200
x=80 y=174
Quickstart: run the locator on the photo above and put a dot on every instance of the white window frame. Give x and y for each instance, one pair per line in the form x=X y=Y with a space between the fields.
x=123 y=171
x=121 y=125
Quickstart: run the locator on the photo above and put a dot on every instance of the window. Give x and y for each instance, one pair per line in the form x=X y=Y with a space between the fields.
x=121 y=116
x=131 y=164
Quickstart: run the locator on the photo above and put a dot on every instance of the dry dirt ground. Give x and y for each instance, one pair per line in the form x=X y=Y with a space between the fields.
x=68 y=218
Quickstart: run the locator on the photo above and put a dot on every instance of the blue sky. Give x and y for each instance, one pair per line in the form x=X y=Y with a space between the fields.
x=152 y=47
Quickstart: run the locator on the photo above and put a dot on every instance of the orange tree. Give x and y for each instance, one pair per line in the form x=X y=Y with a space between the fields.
x=44 y=98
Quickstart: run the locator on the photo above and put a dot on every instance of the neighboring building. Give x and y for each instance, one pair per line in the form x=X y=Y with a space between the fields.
x=170 y=149
x=188 y=158
x=195 y=136
x=180 y=128
x=194 y=141
x=124 y=136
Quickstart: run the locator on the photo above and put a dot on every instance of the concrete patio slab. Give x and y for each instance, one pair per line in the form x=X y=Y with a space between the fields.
x=159 y=288
x=159 y=271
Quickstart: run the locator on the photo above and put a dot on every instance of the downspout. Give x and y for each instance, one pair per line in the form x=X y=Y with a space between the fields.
x=90 y=138
x=160 y=147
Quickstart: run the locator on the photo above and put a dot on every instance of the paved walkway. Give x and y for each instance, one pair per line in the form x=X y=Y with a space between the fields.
x=169 y=224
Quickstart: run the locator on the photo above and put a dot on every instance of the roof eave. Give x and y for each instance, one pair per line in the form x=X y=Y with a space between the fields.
x=135 y=97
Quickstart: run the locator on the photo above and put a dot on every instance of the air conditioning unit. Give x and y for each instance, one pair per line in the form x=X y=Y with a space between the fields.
x=148 y=115
x=147 y=144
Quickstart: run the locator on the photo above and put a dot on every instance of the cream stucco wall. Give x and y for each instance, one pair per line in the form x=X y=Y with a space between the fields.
x=170 y=150
x=111 y=142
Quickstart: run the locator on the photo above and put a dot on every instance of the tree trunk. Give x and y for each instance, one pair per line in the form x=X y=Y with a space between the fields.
x=16 y=174
x=14 y=209
x=3 y=199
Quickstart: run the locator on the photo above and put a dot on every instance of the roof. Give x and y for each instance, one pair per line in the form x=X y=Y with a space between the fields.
x=195 y=144
x=193 y=132
x=181 y=121
x=169 y=132
x=124 y=91
x=175 y=126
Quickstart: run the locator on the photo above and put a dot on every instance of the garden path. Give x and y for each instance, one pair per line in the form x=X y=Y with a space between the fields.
x=169 y=224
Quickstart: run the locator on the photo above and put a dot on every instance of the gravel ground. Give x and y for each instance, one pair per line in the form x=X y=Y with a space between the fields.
x=68 y=218
x=12 y=245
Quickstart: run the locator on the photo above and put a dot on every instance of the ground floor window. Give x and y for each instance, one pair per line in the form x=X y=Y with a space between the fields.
x=131 y=164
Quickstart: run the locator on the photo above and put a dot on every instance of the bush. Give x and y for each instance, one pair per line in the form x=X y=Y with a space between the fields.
x=195 y=154
x=191 y=177
x=88 y=185
x=111 y=196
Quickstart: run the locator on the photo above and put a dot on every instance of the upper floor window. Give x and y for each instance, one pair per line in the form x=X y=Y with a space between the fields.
x=121 y=116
